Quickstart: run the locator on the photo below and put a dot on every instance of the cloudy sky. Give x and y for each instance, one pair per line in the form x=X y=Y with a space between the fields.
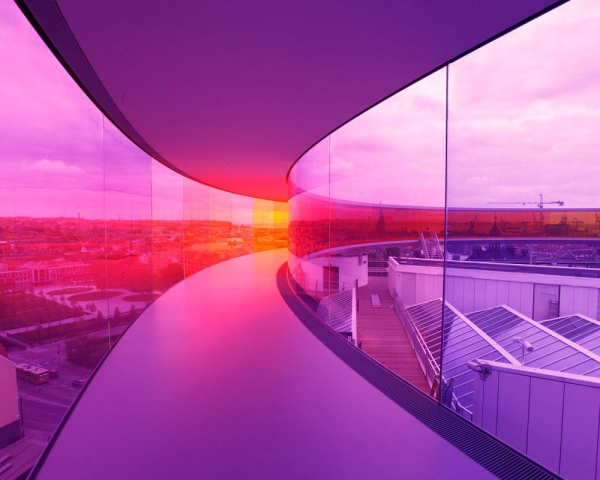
x=60 y=157
x=525 y=113
x=524 y=119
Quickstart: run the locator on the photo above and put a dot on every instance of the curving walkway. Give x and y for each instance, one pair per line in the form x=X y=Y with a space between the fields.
x=219 y=379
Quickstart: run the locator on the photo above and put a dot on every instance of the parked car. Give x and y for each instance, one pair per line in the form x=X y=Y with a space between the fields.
x=78 y=383
x=53 y=373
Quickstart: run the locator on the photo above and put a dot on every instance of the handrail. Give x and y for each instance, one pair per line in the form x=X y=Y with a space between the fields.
x=428 y=363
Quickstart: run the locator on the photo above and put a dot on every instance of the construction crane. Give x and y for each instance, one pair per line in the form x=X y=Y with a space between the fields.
x=472 y=226
x=540 y=203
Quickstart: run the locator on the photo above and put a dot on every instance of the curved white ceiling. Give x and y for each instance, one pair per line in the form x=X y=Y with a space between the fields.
x=232 y=93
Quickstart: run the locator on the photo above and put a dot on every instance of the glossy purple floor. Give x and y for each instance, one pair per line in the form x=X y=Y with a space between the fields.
x=219 y=379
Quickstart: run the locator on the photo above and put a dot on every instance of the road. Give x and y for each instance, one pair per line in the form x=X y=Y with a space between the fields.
x=41 y=416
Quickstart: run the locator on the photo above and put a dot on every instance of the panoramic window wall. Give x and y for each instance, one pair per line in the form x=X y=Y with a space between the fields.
x=374 y=190
x=92 y=230
x=488 y=300
x=524 y=239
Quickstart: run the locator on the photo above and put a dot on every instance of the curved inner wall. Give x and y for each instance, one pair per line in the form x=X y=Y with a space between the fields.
x=453 y=233
x=92 y=231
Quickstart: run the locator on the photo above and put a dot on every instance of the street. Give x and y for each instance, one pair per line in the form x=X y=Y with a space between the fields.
x=41 y=416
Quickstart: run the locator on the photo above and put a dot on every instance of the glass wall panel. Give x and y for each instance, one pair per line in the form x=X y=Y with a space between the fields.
x=197 y=226
x=167 y=227
x=387 y=174
x=91 y=231
x=52 y=233
x=388 y=168
x=242 y=238
x=309 y=243
x=128 y=214
x=220 y=217
x=221 y=225
x=281 y=223
x=523 y=246
x=270 y=223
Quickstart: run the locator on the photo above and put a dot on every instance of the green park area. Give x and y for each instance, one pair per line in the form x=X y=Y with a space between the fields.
x=20 y=310
x=92 y=296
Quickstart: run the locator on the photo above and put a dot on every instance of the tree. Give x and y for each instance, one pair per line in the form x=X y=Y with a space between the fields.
x=117 y=313
x=170 y=275
x=98 y=268
x=129 y=273
x=39 y=332
x=86 y=350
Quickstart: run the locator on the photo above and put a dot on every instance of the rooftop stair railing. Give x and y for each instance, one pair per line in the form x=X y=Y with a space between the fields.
x=437 y=247
x=431 y=247
x=428 y=363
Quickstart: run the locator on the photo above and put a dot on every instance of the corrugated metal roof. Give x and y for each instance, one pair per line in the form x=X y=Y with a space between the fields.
x=552 y=351
x=463 y=342
x=578 y=328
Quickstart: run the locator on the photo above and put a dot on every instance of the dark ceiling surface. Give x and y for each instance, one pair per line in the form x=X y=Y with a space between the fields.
x=232 y=93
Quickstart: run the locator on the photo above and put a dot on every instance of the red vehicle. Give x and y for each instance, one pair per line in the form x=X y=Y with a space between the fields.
x=32 y=374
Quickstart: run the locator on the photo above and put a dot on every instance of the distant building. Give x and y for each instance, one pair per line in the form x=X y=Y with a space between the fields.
x=540 y=292
x=581 y=256
x=36 y=274
x=10 y=421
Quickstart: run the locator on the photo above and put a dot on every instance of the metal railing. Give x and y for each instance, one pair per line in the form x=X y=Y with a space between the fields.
x=428 y=363
x=441 y=389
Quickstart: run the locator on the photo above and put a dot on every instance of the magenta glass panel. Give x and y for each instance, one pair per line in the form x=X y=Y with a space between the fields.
x=522 y=283
x=221 y=225
x=197 y=226
x=91 y=231
x=388 y=168
x=241 y=241
x=309 y=208
x=364 y=201
x=220 y=215
x=128 y=216
x=167 y=227
x=387 y=174
x=52 y=234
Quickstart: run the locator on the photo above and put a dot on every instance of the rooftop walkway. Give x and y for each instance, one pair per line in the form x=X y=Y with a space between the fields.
x=382 y=335
x=219 y=379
